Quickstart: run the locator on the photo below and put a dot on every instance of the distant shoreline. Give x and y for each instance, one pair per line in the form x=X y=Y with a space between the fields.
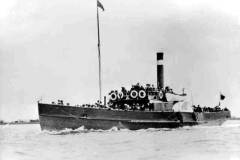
x=235 y=118
x=20 y=122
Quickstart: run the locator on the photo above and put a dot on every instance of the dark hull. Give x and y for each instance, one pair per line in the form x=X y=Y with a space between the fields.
x=58 y=117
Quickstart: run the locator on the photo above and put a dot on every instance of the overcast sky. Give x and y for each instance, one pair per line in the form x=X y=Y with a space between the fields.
x=48 y=49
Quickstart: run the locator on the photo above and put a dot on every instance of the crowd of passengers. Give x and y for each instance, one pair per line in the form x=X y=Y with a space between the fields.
x=125 y=107
x=98 y=104
x=133 y=107
x=198 y=108
x=143 y=107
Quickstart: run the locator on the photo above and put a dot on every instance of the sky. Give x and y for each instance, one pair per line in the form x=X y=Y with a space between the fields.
x=48 y=50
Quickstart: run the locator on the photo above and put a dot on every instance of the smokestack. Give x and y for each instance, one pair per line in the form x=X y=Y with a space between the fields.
x=160 y=71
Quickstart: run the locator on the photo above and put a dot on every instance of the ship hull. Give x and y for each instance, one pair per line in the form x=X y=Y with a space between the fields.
x=60 y=123
x=59 y=117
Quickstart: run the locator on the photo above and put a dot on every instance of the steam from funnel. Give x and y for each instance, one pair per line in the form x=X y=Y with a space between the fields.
x=160 y=71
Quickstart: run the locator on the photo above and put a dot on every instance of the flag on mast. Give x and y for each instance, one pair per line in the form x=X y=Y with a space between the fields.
x=99 y=4
x=222 y=97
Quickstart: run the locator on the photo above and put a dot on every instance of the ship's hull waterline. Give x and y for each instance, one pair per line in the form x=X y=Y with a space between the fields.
x=59 y=117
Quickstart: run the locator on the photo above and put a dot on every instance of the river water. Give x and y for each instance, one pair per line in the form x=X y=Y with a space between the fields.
x=28 y=142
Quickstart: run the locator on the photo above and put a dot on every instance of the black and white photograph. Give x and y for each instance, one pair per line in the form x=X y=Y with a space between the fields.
x=119 y=80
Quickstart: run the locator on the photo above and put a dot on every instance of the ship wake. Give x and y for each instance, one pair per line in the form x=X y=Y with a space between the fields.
x=82 y=129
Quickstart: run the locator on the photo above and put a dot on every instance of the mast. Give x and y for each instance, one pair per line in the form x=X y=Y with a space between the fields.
x=99 y=57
